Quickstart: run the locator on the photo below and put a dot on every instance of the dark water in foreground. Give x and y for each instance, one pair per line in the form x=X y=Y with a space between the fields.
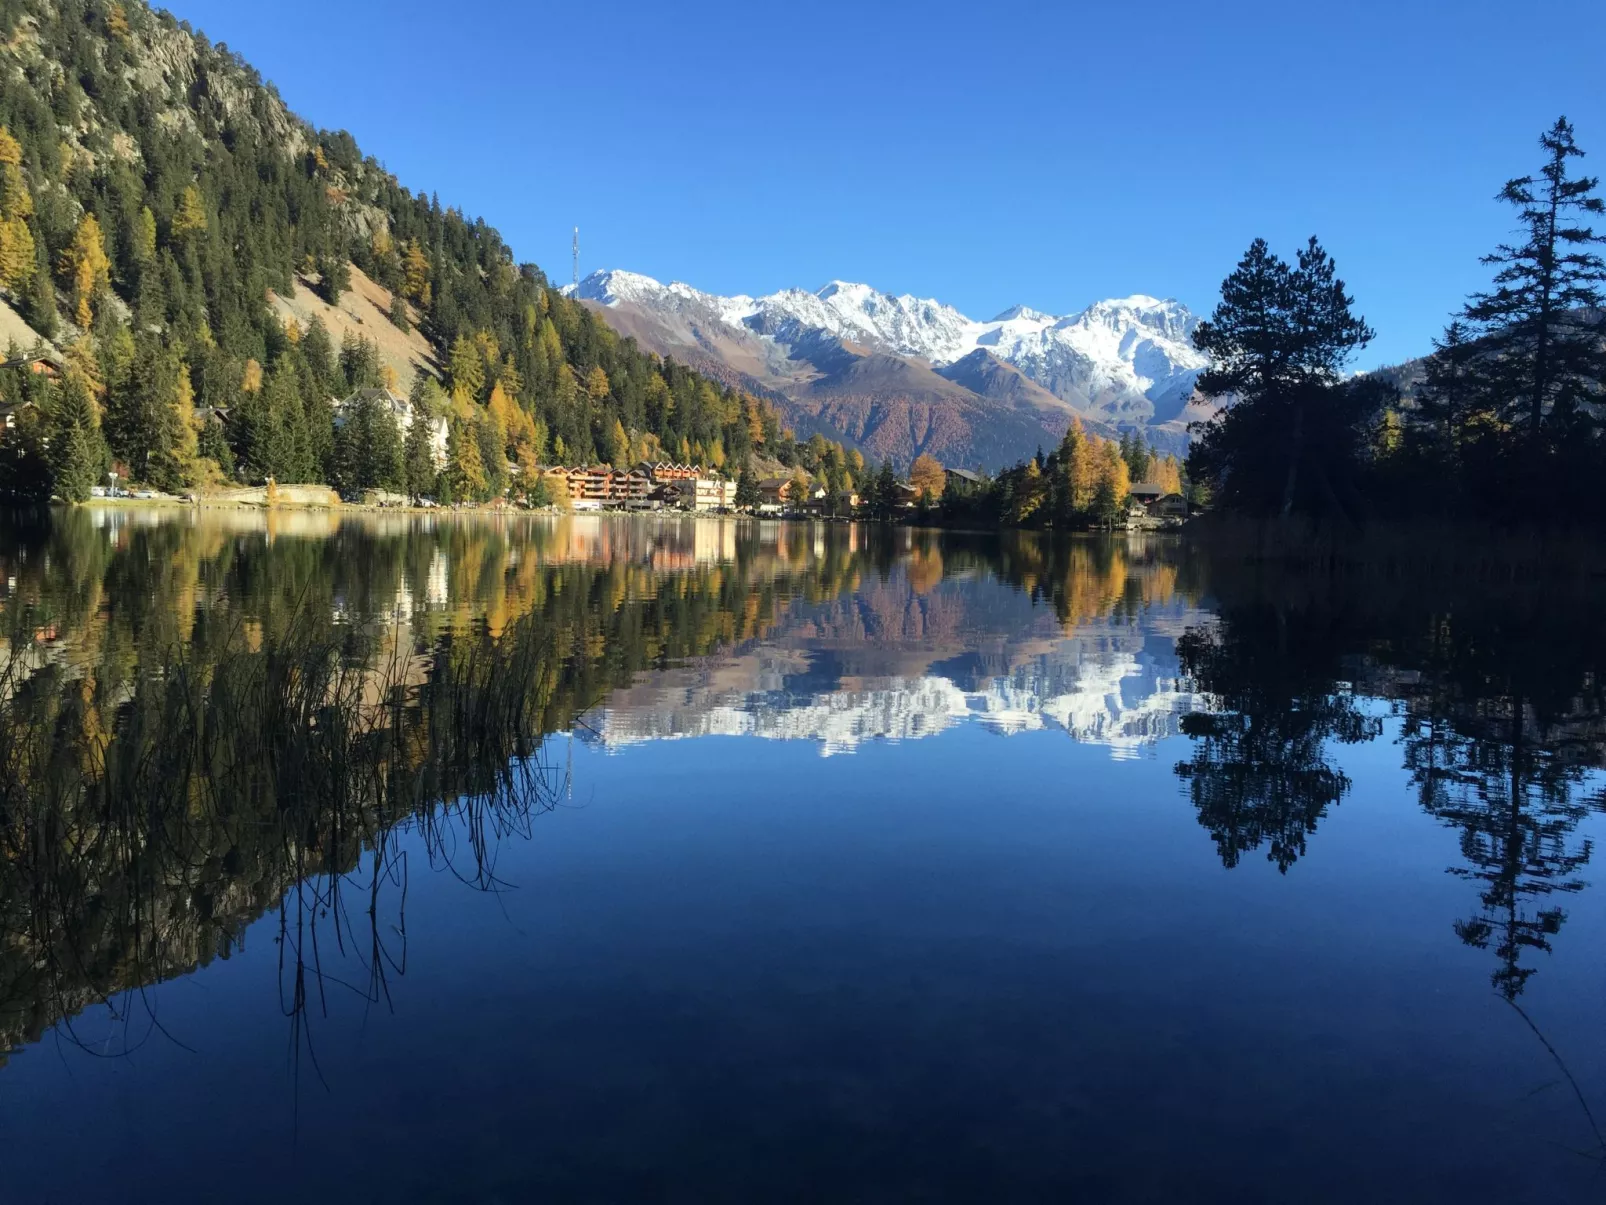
x=685 y=861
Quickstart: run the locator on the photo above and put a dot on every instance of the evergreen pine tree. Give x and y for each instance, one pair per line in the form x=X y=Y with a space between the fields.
x=318 y=351
x=385 y=467
x=1105 y=505
x=359 y=363
x=1453 y=392
x=884 y=494
x=334 y=278
x=493 y=454
x=1278 y=342
x=213 y=445
x=39 y=306
x=368 y=448
x=78 y=464
x=1137 y=456
x=77 y=451
x=1538 y=328
x=172 y=464
x=747 y=493
x=280 y=429
x=418 y=456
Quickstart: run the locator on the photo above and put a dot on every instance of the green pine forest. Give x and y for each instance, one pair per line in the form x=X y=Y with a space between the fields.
x=155 y=191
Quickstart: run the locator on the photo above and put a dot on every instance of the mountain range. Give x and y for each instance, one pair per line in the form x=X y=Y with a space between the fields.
x=897 y=376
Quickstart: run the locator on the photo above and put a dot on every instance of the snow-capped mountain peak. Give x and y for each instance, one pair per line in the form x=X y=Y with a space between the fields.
x=1023 y=313
x=1127 y=361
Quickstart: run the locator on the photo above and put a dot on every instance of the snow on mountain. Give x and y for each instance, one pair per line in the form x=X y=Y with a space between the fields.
x=1131 y=360
x=1124 y=699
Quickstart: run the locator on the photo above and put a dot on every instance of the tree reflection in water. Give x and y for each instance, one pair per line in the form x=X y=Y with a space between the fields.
x=1260 y=774
x=148 y=823
x=200 y=724
x=1502 y=729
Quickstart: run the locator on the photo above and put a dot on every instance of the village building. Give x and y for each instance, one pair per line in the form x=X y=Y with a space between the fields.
x=663 y=471
x=600 y=486
x=780 y=494
x=1169 y=507
x=40 y=365
x=701 y=493
x=10 y=410
x=1145 y=493
x=774 y=493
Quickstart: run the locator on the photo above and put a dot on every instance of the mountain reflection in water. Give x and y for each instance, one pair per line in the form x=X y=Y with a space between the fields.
x=213 y=722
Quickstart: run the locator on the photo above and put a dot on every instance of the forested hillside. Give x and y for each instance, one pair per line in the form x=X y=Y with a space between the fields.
x=159 y=203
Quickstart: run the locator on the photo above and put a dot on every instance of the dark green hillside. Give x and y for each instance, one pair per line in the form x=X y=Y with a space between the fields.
x=158 y=199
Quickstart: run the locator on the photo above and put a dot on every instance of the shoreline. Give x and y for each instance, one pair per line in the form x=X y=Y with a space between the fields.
x=1405 y=547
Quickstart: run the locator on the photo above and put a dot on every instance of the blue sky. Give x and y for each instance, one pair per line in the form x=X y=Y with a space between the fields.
x=1048 y=154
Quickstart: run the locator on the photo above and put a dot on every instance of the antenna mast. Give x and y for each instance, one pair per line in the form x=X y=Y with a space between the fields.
x=577 y=260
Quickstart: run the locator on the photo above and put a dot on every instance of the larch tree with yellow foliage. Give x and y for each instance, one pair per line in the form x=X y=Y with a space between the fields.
x=465 y=466
x=415 y=273
x=1114 y=484
x=927 y=477
x=617 y=451
x=513 y=424
x=86 y=269
x=383 y=259
x=1167 y=474
x=190 y=217
x=467 y=368
x=17 y=248
x=1029 y=495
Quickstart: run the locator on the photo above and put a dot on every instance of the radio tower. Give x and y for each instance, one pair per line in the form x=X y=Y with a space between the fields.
x=577 y=261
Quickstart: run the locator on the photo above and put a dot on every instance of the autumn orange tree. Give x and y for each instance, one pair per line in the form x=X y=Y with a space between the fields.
x=928 y=477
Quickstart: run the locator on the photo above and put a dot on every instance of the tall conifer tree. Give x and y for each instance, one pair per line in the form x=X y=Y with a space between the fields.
x=1539 y=327
x=1278 y=342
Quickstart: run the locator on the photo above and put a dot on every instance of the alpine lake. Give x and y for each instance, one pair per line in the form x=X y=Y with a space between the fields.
x=592 y=859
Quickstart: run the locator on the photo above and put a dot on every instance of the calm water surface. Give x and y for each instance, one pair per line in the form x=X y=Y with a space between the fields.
x=689 y=860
